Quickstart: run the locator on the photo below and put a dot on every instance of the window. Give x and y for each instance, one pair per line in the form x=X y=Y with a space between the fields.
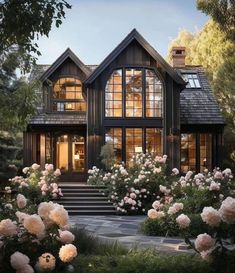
x=113 y=95
x=205 y=151
x=134 y=90
x=188 y=152
x=153 y=95
x=154 y=141
x=192 y=80
x=114 y=136
x=134 y=142
x=67 y=95
x=132 y=87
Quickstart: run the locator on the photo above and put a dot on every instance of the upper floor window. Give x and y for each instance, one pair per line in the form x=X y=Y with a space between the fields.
x=133 y=92
x=192 y=80
x=67 y=95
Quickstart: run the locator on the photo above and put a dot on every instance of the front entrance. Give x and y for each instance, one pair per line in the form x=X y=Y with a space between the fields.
x=70 y=156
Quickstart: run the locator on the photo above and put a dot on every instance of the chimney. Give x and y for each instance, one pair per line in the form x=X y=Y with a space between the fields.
x=178 y=56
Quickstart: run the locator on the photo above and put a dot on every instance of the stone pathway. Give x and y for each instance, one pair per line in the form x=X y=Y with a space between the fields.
x=125 y=230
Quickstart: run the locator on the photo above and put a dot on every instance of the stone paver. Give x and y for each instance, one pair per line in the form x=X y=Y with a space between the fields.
x=125 y=230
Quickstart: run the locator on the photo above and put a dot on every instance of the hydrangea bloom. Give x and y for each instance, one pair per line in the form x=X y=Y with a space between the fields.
x=204 y=242
x=211 y=216
x=66 y=236
x=67 y=253
x=46 y=262
x=34 y=224
x=19 y=260
x=21 y=201
x=227 y=210
x=183 y=221
x=7 y=228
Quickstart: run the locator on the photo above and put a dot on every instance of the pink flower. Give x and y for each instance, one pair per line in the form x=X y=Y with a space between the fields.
x=19 y=260
x=218 y=175
x=133 y=195
x=67 y=253
x=178 y=206
x=152 y=214
x=66 y=236
x=156 y=205
x=35 y=166
x=7 y=228
x=57 y=172
x=183 y=221
x=21 y=201
x=45 y=173
x=214 y=186
x=211 y=216
x=204 y=242
x=227 y=210
x=172 y=210
x=49 y=167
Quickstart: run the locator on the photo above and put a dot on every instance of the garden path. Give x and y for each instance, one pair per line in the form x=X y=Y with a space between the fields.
x=125 y=230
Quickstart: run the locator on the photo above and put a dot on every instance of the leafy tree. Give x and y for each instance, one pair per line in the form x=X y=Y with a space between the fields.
x=108 y=155
x=222 y=12
x=22 y=22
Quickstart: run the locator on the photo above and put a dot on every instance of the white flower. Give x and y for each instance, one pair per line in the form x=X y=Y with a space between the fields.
x=227 y=210
x=175 y=171
x=21 y=216
x=67 y=253
x=178 y=206
x=66 y=236
x=46 y=262
x=34 y=224
x=188 y=175
x=45 y=208
x=19 y=260
x=35 y=166
x=45 y=173
x=25 y=170
x=211 y=216
x=21 y=201
x=183 y=221
x=59 y=215
x=218 y=175
x=227 y=172
x=204 y=242
x=172 y=210
x=26 y=269
x=49 y=167
x=7 y=228
x=8 y=206
x=214 y=186
x=156 y=205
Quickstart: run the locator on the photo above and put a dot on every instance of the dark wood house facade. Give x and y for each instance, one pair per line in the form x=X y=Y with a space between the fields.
x=133 y=99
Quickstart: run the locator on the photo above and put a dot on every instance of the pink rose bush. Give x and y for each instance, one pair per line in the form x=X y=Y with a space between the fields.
x=132 y=189
x=44 y=180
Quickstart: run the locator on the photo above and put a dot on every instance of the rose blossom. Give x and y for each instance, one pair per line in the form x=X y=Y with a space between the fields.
x=7 y=228
x=227 y=210
x=57 y=172
x=21 y=201
x=183 y=221
x=204 y=242
x=156 y=205
x=66 y=236
x=178 y=206
x=152 y=214
x=19 y=260
x=35 y=166
x=34 y=224
x=211 y=216
x=46 y=262
x=133 y=195
x=214 y=186
x=175 y=171
x=67 y=253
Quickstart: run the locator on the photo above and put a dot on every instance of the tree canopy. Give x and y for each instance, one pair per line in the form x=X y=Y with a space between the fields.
x=222 y=12
x=23 y=22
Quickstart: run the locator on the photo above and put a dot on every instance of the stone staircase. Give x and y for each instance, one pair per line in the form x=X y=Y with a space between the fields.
x=83 y=199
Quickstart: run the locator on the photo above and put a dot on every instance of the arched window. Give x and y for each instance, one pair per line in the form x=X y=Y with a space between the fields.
x=67 y=95
x=138 y=89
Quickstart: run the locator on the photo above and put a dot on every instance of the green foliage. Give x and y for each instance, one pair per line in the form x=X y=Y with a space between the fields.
x=10 y=155
x=143 y=262
x=108 y=156
x=23 y=22
x=223 y=12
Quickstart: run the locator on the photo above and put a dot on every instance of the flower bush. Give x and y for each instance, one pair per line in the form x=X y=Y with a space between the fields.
x=38 y=241
x=132 y=190
x=39 y=184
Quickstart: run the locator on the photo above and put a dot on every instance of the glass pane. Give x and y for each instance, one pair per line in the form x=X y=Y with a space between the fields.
x=188 y=152
x=134 y=142
x=114 y=136
x=205 y=152
x=154 y=141
x=62 y=153
x=78 y=153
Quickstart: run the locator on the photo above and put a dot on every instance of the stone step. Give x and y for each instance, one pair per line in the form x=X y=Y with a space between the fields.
x=89 y=207
x=85 y=198
x=91 y=212
x=84 y=201
x=67 y=190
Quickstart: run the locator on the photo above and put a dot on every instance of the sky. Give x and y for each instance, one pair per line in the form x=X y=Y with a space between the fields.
x=93 y=28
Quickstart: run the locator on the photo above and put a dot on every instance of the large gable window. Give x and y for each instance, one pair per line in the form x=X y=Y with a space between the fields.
x=67 y=95
x=133 y=92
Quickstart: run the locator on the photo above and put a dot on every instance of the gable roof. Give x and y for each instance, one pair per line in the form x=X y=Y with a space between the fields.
x=134 y=35
x=198 y=105
x=67 y=54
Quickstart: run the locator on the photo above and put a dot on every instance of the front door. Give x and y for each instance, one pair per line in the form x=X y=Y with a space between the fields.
x=70 y=154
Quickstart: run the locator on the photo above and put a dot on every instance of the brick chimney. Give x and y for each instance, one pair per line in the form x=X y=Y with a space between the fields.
x=178 y=56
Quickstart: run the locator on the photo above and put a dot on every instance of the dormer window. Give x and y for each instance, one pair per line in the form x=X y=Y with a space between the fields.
x=192 y=80
x=67 y=95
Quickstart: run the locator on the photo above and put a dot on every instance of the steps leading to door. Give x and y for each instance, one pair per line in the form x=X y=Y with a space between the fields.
x=83 y=199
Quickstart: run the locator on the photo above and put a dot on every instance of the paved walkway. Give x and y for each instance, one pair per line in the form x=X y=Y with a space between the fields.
x=125 y=230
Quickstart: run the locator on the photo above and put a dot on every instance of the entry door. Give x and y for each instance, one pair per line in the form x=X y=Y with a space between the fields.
x=70 y=153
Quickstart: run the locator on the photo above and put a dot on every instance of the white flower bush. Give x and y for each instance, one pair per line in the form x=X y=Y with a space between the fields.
x=38 y=242
x=132 y=190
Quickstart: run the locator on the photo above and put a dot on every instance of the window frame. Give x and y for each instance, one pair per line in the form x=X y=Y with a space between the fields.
x=143 y=71
x=56 y=100
x=188 y=83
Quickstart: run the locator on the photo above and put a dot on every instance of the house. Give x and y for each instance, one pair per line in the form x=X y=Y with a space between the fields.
x=133 y=99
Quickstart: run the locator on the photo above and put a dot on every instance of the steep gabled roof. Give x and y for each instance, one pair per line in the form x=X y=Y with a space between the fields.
x=67 y=54
x=134 y=35
x=198 y=105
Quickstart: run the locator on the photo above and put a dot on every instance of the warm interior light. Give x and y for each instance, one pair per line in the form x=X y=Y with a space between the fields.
x=138 y=149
